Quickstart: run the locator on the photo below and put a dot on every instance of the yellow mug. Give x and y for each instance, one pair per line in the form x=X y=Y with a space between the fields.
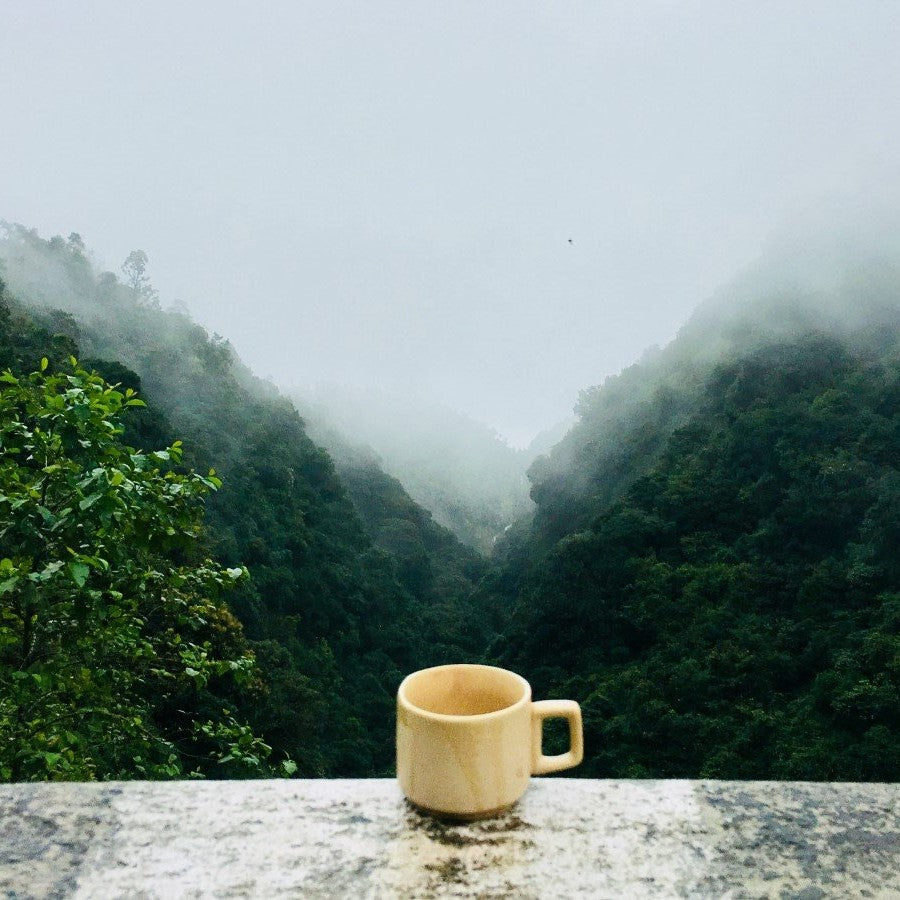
x=469 y=738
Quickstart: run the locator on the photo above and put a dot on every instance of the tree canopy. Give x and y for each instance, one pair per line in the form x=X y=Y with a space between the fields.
x=117 y=653
x=735 y=613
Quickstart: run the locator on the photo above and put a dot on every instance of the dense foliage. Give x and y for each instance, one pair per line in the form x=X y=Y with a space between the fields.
x=430 y=563
x=736 y=613
x=117 y=657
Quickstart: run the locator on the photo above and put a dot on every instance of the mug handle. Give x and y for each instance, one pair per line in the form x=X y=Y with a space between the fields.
x=555 y=709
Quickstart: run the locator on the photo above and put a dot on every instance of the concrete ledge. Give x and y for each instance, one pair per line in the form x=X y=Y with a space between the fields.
x=334 y=839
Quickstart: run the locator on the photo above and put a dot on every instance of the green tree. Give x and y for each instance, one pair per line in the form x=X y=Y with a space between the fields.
x=135 y=271
x=117 y=658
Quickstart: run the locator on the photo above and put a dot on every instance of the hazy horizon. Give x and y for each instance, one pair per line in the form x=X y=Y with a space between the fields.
x=488 y=207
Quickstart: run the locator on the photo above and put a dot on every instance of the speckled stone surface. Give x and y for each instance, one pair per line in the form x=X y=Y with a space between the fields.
x=334 y=839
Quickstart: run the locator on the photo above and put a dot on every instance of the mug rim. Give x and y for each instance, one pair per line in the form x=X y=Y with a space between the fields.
x=477 y=717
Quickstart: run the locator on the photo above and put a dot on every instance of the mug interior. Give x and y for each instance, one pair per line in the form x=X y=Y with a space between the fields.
x=464 y=690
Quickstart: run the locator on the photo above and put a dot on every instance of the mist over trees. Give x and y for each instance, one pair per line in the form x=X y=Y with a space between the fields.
x=336 y=608
x=135 y=271
x=470 y=479
x=710 y=567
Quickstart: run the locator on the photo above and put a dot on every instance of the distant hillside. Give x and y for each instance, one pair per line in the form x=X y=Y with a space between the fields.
x=712 y=568
x=471 y=480
x=623 y=424
x=351 y=584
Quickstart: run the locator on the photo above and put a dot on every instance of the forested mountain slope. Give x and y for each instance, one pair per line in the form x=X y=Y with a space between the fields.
x=713 y=566
x=338 y=607
x=431 y=563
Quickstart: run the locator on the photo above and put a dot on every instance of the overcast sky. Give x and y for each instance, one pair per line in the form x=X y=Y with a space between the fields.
x=492 y=204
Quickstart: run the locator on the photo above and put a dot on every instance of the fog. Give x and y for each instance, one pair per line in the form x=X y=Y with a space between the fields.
x=487 y=206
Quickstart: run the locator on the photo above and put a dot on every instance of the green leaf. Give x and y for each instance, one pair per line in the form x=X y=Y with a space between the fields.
x=44 y=363
x=79 y=572
x=89 y=501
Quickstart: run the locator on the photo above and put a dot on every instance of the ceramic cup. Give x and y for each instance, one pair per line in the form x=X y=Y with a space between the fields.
x=469 y=738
